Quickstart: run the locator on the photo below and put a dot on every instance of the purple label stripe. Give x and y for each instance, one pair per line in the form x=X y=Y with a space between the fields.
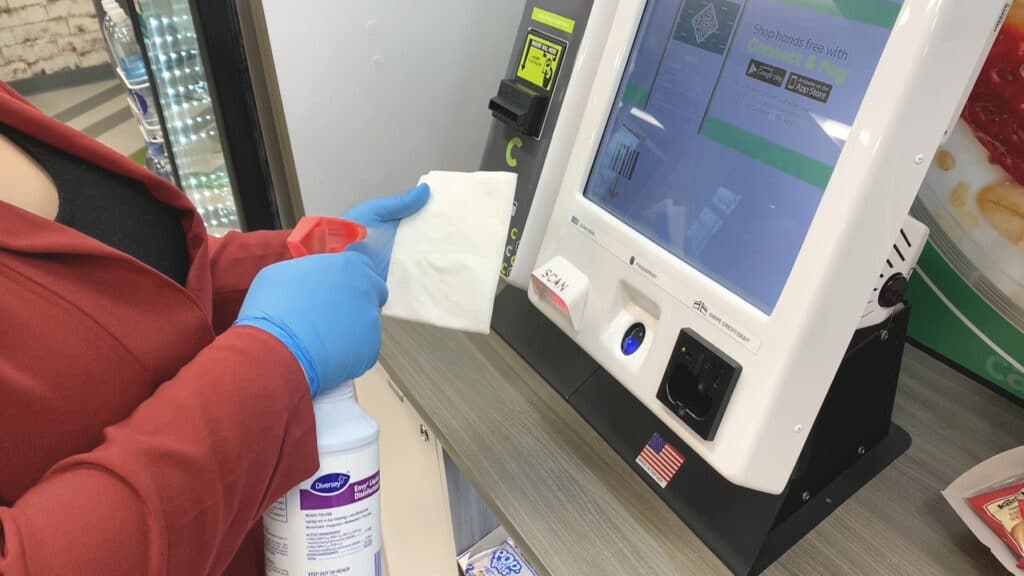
x=356 y=491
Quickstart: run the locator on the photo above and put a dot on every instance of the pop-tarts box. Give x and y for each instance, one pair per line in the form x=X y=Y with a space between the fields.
x=505 y=560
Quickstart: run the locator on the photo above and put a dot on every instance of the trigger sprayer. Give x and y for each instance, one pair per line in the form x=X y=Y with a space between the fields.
x=330 y=524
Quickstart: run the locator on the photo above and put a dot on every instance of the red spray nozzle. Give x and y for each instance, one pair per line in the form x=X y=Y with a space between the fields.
x=322 y=235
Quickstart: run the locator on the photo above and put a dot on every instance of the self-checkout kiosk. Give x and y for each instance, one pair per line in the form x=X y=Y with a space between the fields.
x=713 y=231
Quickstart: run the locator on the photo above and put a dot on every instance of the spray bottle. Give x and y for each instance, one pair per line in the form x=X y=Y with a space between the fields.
x=329 y=525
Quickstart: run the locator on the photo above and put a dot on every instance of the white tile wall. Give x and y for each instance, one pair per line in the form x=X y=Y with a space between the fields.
x=47 y=36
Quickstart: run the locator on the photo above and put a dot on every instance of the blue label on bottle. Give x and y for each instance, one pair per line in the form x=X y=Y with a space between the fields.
x=141 y=102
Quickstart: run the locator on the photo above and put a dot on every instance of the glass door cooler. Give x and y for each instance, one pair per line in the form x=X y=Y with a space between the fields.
x=204 y=99
x=183 y=90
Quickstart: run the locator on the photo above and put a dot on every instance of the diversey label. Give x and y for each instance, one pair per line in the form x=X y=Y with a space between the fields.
x=329 y=484
x=354 y=492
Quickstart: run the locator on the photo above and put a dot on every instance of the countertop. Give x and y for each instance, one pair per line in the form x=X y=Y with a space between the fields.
x=577 y=509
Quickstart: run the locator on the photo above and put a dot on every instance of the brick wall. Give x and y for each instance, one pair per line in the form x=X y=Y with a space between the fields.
x=45 y=36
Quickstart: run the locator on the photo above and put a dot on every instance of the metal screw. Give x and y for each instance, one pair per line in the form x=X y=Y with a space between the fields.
x=806 y=496
x=424 y=433
x=828 y=500
x=884 y=335
x=861 y=451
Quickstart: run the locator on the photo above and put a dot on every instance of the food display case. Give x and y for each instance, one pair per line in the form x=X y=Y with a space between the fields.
x=969 y=293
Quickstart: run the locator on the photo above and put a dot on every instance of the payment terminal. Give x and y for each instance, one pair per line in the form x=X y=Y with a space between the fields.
x=729 y=242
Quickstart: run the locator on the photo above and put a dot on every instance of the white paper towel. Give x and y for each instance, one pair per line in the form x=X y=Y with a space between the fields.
x=446 y=261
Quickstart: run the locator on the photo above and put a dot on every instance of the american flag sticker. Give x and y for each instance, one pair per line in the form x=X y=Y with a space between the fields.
x=660 y=460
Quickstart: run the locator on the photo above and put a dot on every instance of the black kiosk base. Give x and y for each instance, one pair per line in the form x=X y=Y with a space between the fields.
x=852 y=440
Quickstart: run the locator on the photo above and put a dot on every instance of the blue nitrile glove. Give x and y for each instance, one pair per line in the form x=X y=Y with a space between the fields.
x=381 y=218
x=325 y=309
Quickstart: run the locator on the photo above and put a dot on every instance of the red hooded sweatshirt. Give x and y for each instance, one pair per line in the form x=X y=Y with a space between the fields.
x=139 y=434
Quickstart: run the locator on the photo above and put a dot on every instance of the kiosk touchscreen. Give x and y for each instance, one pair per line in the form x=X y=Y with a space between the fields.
x=740 y=175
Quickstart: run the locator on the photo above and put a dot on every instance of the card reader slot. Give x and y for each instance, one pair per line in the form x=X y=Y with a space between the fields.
x=698 y=383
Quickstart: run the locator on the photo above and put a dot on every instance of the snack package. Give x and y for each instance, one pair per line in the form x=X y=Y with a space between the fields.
x=999 y=472
x=1018 y=531
x=1001 y=510
x=505 y=560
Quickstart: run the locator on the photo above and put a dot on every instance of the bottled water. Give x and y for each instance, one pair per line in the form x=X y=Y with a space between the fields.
x=157 y=161
x=108 y=26
x=120 y=36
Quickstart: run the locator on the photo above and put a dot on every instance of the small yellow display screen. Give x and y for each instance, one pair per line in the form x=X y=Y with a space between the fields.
x=540 y=60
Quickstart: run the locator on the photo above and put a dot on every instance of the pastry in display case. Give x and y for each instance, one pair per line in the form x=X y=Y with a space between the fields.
x=969 y=297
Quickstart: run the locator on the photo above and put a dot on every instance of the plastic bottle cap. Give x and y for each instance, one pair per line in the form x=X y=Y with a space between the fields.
x=344 y=392
x=322 y=235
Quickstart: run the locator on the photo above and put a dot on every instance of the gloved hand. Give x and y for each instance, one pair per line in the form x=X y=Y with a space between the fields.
x=381 y=218
x=325 y=309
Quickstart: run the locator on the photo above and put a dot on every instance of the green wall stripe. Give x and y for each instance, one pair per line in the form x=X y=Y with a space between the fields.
x=881 y=13
x=933 y=325
x=763 y=150
x=970 y=303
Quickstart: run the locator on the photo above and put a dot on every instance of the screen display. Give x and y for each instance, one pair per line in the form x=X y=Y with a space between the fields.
x=728 y=124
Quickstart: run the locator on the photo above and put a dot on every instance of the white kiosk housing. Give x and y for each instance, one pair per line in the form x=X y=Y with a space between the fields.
x=740 y=174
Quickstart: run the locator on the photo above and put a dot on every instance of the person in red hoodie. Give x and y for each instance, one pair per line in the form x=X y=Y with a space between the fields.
x=156 y=382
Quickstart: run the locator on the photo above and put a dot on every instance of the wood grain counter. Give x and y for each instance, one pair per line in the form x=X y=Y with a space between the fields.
x=577 y=509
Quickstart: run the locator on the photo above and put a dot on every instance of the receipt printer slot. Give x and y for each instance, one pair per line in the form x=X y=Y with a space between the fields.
x=520 y=106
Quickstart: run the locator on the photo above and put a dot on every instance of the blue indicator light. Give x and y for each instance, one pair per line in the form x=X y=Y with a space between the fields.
x=630 y=346
x=633 y=339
